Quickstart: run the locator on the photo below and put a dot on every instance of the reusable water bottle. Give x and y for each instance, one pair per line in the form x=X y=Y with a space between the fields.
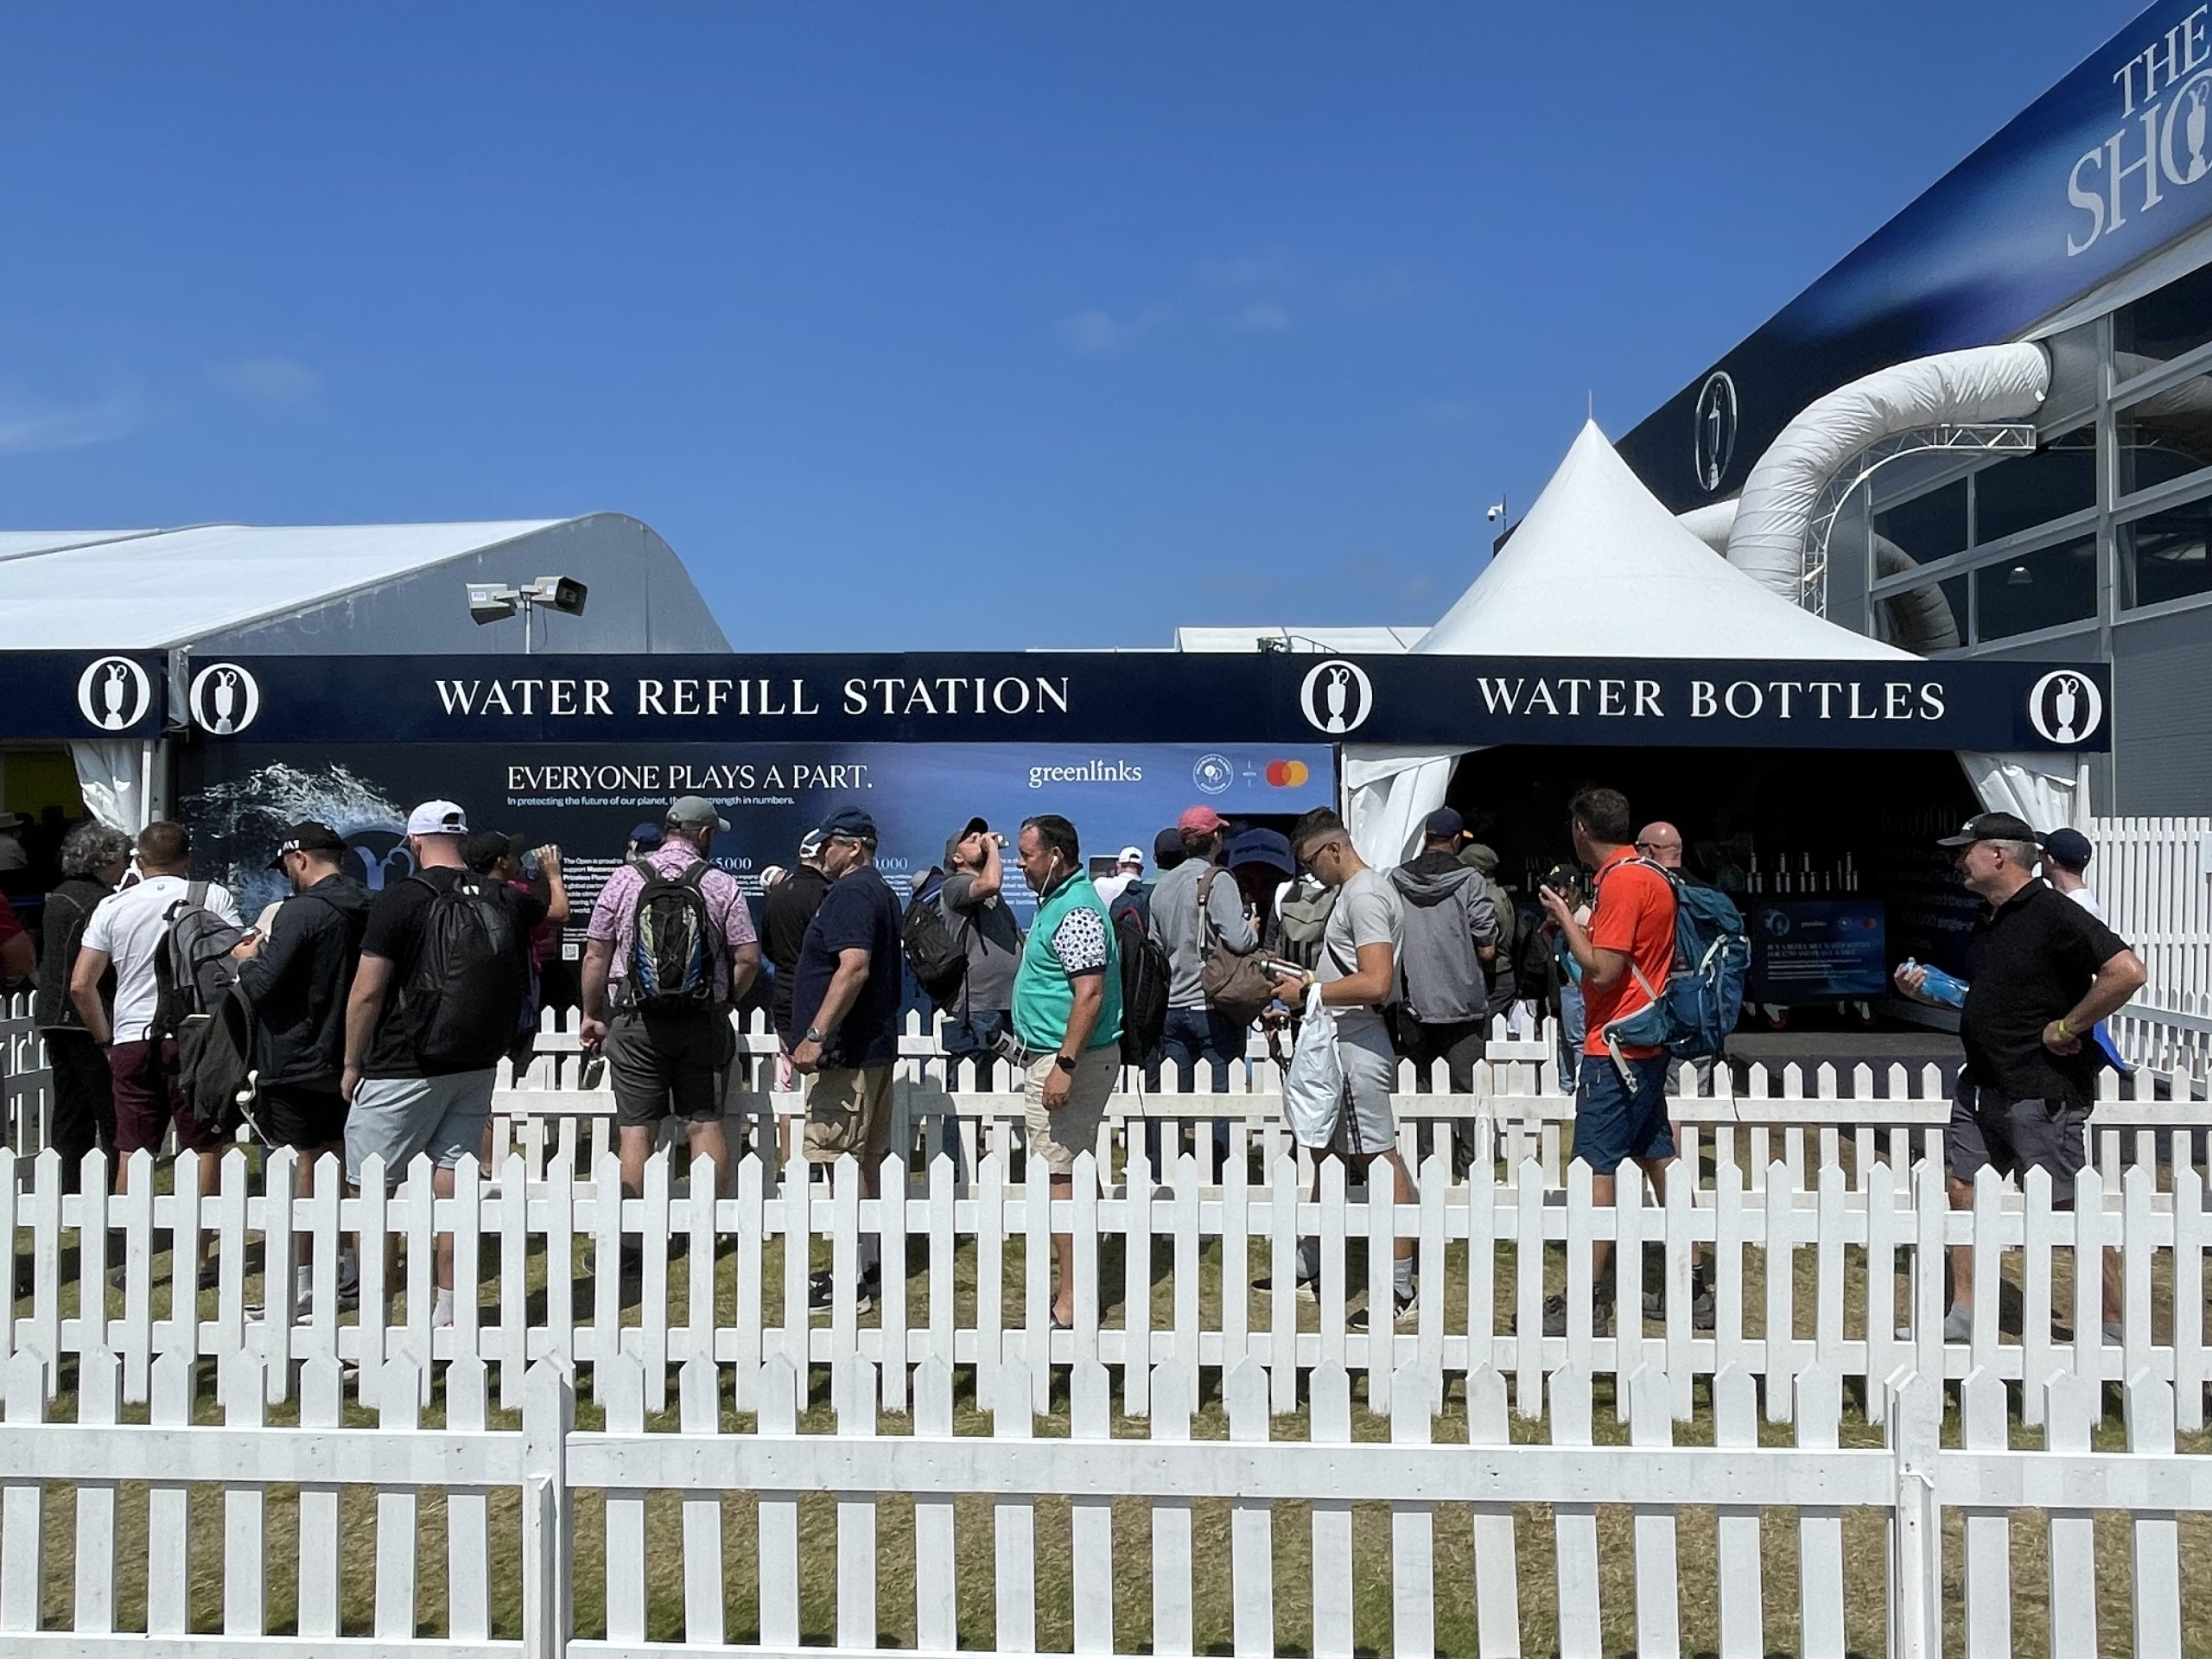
x=1939 y=986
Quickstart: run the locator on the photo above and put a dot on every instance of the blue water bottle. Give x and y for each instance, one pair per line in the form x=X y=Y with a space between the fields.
x=1938 y=985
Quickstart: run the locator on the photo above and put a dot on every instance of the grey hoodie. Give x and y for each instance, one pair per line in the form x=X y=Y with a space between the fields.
x=1448 y=914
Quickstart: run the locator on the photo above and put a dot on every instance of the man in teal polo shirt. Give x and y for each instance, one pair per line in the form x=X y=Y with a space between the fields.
x=1067 y=1017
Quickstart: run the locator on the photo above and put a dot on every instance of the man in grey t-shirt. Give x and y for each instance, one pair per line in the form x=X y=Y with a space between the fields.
x=1358 y=975
x=1194 y=1029
x=975 y=910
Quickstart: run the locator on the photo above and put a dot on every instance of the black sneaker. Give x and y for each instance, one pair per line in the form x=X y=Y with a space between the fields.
x=1601 y=1315
x=1404 y=1306
x=1306 y=1290
x=821 y=1293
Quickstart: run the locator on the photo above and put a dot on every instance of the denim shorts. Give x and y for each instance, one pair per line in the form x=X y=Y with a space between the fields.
x=1615 y=1120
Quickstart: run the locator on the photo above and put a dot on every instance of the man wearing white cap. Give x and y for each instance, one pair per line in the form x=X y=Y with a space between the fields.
x=435 y=1006
x=1126 y=868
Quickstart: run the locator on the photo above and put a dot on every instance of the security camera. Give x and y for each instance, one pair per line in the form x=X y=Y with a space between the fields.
x=564 y=594
x=1496 y=512
x=489 y=602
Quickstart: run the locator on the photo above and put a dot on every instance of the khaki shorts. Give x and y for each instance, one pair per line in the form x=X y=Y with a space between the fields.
x=848 y=1111
x=1058 y=1137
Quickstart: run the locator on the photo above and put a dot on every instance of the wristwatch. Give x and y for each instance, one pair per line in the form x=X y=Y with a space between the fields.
x=816 y=1034
x=1064 y=1064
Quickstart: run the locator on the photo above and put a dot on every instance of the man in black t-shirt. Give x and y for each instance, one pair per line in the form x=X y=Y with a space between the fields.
x=403 y=1102
x=784 y=916
x=2041 y=972
x=845 y=1008
x=973 y=900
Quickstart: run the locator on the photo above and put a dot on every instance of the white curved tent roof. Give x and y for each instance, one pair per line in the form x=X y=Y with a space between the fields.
x=1599 y=567
x=343 y=588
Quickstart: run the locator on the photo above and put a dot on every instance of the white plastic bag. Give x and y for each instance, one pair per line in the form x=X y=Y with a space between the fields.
x=1313 y=1083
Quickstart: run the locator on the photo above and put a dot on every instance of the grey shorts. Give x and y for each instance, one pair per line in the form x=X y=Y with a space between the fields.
x=2013 y=1136
x=668 y=1066
x=395 y=1118
x=1370 y=1065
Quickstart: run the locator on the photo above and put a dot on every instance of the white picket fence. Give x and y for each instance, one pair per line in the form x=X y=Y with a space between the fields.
x=2154 y=878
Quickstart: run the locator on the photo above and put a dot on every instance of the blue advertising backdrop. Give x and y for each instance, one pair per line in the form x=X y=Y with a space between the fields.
x=1817 y=950
x=587 y=797
x=2111 y=164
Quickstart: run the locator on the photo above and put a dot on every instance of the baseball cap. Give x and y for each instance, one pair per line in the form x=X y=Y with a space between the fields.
x=1167 y=847
x=1443 y=824
x=1990 y=826
x=1270 y=848
x=646 y=836
x=1199 y=821
x=308 y=836
x=851 y=822
x=973 y=827
x=437 y=818
x=1132 y=855
x=1480 y=858
x=2068 y=848
x=484 y=848
x=810 y=846
x=694 y=812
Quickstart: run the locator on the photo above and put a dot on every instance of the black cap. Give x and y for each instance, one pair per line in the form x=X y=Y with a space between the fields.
x=1168 y=848
x=975 y=827
x=2068 y=848
x=308 y=836
x=1990 y=826
x=851 y=822
x=484 y=848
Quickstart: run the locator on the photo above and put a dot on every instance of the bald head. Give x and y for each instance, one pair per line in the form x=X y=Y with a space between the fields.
x=1662 y=843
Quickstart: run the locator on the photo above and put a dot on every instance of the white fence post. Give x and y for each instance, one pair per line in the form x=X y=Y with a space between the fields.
x=549 y=1408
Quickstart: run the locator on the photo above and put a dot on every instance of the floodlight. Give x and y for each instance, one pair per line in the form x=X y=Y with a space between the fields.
x=564 y=594
x=489 y=602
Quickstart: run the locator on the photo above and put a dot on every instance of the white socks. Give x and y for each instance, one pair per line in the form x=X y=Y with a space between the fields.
x=442 y=1308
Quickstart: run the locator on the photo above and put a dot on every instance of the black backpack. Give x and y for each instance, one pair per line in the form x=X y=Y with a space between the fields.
x=465 y=993
x=193 y=969
x=1145 y=974
x=216 y=1073
x=672 y=966
x=934 y=951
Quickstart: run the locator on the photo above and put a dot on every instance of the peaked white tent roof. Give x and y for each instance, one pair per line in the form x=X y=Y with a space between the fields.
x=1599 y=567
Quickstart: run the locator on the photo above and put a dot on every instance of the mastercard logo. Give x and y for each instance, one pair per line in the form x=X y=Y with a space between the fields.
x=1288 y=774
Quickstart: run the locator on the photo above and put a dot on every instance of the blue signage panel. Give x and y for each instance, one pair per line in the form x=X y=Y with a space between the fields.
x=1816 y=950
x=1141 y=697
x=2111 y=164
x=587 y=798
x=55 y=696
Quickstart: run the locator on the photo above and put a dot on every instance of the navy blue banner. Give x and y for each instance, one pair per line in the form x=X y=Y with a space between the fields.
x=1152 y=697
x=58 y=695
x=2111 y=164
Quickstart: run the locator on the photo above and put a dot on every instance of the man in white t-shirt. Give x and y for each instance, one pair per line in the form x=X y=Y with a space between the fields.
x=127 y=928
x=1126 y=868
x=2065 y=855
x=1358 y=973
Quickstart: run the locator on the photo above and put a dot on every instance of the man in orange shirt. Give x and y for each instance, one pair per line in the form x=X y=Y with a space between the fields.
x=1620 y=1109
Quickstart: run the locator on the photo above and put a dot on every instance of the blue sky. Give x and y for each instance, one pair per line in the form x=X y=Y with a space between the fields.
x=937 y=327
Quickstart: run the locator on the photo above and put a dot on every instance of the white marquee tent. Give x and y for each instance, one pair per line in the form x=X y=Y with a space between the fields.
x=327 y=589
x=1599 y=567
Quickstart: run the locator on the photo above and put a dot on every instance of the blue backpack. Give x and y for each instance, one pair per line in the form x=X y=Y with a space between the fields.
x=1692 y=1017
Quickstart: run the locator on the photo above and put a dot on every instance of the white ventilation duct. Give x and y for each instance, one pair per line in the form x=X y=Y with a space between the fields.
x=1920 y=620
x=1988 y=384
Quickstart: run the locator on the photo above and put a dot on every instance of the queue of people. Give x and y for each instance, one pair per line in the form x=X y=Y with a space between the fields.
x=378 y=1022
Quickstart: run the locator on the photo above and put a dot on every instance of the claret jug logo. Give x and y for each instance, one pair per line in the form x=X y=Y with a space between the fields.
x=113 y=692
x=1336 y=698
x=1716 y=430
x=2162 y=143
x=2065 y=707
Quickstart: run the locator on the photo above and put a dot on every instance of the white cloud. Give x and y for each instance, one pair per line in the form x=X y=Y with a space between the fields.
x=283 y=381
x=1263 y=316
x=1262 y=270
x=30 y=424
x=1374 y=292
x=1099 y=333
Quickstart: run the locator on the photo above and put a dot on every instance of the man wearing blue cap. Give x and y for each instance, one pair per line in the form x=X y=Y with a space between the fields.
x=845 y=994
